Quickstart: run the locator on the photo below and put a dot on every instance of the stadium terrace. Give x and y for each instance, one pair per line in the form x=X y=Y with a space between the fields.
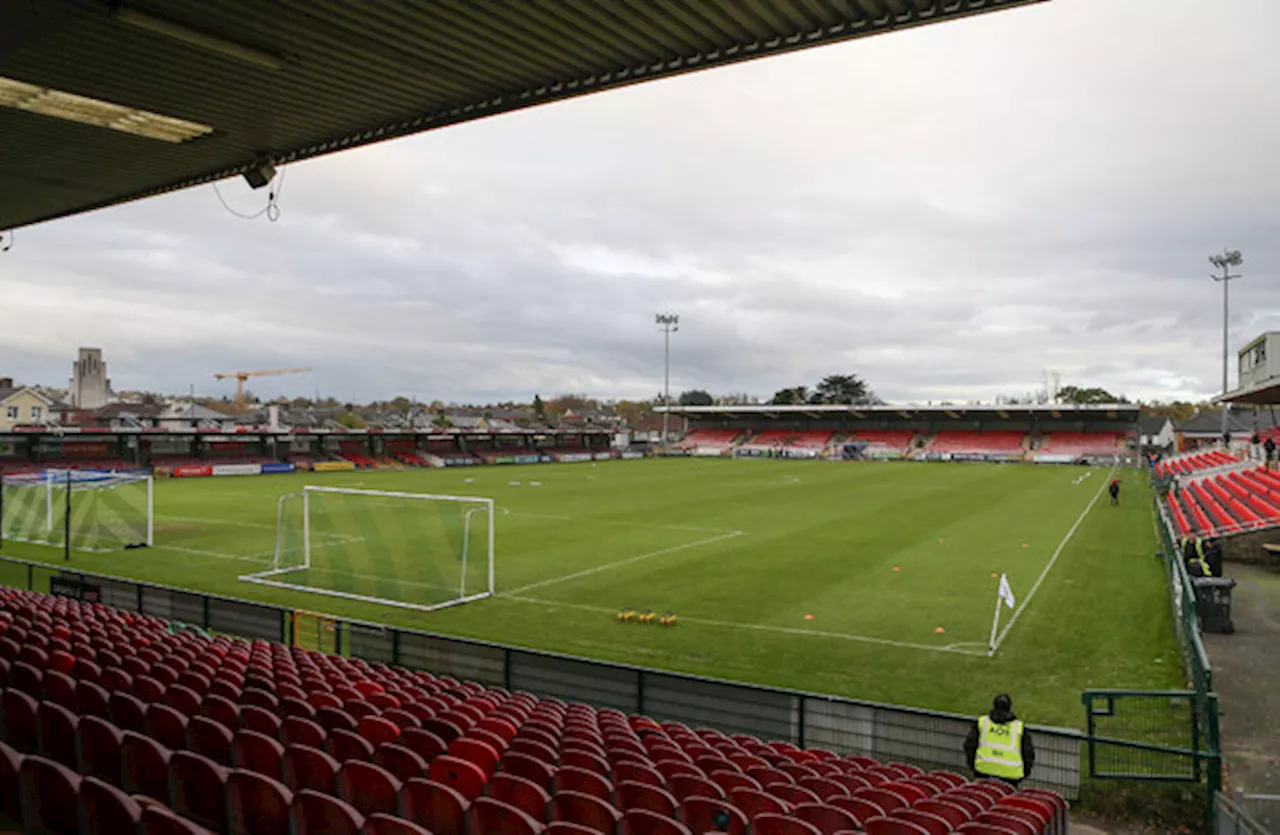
x=1046 y=434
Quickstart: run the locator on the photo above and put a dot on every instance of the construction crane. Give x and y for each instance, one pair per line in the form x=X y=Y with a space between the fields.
x=241 y=376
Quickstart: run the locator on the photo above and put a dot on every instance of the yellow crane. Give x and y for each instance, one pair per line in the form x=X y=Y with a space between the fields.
x=241 y=376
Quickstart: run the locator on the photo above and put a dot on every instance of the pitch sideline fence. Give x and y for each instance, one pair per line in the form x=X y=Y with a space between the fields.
x=930 y=739
x=1163 y=736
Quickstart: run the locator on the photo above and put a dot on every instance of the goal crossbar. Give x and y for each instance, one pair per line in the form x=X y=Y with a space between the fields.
x=276 y=575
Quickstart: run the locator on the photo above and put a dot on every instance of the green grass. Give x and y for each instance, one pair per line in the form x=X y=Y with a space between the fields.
x=880 y=554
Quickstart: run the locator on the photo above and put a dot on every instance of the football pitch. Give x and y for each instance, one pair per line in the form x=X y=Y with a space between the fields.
x=871 y=580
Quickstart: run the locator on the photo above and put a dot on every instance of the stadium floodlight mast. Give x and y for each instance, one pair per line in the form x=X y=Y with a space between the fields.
x=669 y=323
x=1228 y=259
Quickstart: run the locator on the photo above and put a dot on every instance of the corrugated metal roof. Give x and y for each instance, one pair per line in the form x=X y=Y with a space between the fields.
x=351 y=73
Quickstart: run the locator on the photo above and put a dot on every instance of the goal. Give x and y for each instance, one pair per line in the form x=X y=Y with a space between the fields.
x=78 y=510
x=413 y=550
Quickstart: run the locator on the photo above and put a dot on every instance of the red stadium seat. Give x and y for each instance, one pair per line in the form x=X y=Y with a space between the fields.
x=10 y=763
x=381 y=824
x=257 y=804
x=489 y=815
x=49 y=795
x=523 y=794
x=105 y=810
x=310 y=768
x=210 y=739
x=464 y=777
x=434 y=805
x=56 y=731
x=144 y=766
x=198 y=789
x=313 y=813
x=257 y=752
x=368 y=788
x=585 y=810
x=641 y=822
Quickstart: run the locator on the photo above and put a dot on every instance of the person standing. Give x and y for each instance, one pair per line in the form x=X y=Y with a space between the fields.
x=1114 y=489
x=999 y=746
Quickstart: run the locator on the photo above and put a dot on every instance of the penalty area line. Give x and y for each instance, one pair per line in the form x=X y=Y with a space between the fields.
x=754 y=627
x=587 y=572
x=1057 y=552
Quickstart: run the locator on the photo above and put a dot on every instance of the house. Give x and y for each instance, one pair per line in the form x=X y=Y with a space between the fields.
x=1205 y=428
x=1156 y=433
x=25 y=406
x=189 y=415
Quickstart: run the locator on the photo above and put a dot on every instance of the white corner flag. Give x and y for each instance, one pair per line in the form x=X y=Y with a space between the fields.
x=1006 y=593
x=1003 y=595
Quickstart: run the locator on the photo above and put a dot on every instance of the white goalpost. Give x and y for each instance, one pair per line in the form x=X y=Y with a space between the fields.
x=78 y=510
x=413 y=550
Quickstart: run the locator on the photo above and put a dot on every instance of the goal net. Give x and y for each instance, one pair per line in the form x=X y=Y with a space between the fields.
x=78 y=510
x=413 y=550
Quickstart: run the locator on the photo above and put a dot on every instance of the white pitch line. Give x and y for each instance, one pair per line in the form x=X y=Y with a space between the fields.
x=618 y=563
x=1026 y=601
x=754 y=627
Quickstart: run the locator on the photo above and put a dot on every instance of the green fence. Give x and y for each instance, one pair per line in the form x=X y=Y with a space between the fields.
x=1162 y=736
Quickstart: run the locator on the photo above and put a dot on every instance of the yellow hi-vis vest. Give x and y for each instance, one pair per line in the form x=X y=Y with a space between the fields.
x=999 y=749
x=1199 y=558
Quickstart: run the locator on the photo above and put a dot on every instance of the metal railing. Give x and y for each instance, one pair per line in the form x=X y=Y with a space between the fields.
x=929 y=739
x=1247 y=814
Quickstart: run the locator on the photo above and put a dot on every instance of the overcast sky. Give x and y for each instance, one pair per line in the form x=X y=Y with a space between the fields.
x=947 y=212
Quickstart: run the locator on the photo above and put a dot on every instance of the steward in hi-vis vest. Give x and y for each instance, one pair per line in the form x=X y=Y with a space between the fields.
x=999 y=745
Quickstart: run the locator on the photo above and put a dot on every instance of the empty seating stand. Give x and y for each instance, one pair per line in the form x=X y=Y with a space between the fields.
x=710 y=440
x=113 y=723
x=1225 y=503
x=977 y=443
x=1192 y=462
x=1082 y=444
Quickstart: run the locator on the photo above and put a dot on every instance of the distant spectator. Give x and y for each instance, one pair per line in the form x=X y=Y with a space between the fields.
x=998 y=745
x=1270 y=447
x=1114 y=489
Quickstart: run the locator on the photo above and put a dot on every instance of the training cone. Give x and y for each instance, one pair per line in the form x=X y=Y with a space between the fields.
x=939 y=630
x=808 y=617
x=896 y=568
x=941 y=540
x=1025 y=545
x=993 y=574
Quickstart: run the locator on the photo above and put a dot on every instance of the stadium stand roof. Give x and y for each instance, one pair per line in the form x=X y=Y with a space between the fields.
x=1109 y=411
x=197 y=92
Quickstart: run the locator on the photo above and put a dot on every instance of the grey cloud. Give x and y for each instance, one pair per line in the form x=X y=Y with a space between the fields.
x=946 y=211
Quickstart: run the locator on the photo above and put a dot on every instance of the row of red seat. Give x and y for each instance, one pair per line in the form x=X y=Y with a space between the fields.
x=254 y=737
x=1082 y=443
x=1226 y=503
x=955 y=441
x=1194 y=462
x=795 y=439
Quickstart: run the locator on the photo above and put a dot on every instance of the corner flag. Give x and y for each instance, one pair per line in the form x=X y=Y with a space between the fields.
x=1006 y=593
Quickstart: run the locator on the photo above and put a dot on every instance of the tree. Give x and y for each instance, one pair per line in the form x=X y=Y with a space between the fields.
x=632 y=412
x=696 y=397
x=539 y=409
x=350 y=420
x=797 y=396
x=558 y=407
x=843 y=388
x=401 y=404
x=1088 y=396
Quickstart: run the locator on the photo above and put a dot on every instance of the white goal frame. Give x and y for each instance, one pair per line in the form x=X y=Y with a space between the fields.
x=76 y=481
x=267 y=577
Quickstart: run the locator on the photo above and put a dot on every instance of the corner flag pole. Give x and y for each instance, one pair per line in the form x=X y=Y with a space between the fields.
x=1004 y=594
